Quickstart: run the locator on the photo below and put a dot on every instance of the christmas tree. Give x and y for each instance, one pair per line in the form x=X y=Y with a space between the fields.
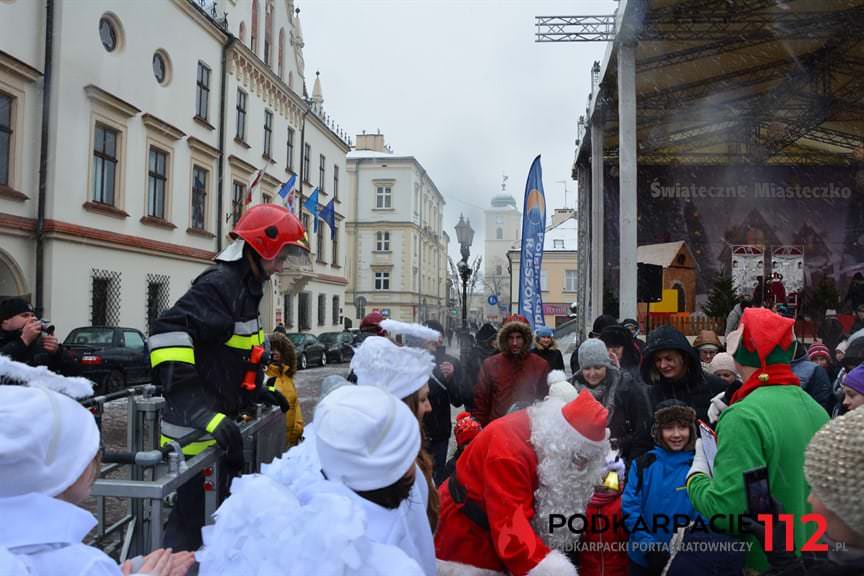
x=721 y=299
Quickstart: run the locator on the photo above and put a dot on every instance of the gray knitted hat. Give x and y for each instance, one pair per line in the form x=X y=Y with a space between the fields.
x=592 y=353
x=833 y=466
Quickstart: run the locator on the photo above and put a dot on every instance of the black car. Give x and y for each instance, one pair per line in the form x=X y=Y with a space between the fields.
x=308 y=349
x=339 y=345
x=110 y=356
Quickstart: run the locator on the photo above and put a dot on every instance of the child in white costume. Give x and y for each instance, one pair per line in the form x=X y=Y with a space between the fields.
x=294 y=520
x=49 y=458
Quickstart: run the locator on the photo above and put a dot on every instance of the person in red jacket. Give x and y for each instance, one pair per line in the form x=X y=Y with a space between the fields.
x=505 y=509
x=513 y=375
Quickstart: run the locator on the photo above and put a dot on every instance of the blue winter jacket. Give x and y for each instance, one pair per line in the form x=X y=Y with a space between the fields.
x=663 y=493
x=814 y=381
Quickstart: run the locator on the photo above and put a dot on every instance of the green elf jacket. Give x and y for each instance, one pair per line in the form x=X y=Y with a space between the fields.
x=770 y=427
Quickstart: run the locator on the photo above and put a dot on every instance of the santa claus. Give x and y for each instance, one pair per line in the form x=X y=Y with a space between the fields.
x=522 y=468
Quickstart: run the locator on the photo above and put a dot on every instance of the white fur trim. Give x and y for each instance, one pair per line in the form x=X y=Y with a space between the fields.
x=448 y=568
x=563 y=390
x=393 y=327
x=41 y=377
x=554 y=564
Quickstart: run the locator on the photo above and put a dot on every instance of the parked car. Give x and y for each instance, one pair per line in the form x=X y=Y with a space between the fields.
x=112 y=357
x=339 y=345
x=308 y=349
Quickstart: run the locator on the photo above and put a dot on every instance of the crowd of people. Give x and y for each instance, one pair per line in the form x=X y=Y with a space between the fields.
x=726 y=455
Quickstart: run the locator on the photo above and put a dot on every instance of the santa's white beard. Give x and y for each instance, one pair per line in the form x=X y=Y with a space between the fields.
x=563 y=488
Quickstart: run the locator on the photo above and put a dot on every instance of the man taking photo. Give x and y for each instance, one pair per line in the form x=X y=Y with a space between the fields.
x=22 y=337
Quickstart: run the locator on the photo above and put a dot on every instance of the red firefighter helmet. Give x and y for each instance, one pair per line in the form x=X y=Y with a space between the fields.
x=372 y=323
x=269 y=228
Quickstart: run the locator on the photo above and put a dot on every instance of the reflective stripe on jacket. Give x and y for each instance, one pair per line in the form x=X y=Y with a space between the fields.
x=199 y=348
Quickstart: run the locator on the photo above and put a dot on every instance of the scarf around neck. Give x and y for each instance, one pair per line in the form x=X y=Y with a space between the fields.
x=771 y=375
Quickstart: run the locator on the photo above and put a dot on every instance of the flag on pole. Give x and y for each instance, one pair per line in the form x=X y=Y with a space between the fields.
x=251 y=189
x=531 y=255
x=286 y=192
x=328 y=215
x=311 y=206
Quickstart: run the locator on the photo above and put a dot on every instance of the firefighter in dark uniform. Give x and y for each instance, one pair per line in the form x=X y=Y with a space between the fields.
x=206 y=353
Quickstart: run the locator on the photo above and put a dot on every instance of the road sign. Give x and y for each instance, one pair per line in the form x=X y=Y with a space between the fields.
x=492 y=300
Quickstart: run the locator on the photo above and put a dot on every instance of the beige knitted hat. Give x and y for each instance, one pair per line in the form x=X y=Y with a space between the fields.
x=833 y=466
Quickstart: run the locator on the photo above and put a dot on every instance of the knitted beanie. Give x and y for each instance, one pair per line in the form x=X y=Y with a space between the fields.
x=855 y=379
x=12 y=307
x=833 y=464
x=722 y=361
x=544 y=331
x=818 y=350
x=593 y=353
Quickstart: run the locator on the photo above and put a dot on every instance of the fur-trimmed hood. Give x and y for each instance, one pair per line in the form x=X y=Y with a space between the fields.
x=511 y=328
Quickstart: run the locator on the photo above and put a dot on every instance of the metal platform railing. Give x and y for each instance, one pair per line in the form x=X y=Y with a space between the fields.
x=154 y=473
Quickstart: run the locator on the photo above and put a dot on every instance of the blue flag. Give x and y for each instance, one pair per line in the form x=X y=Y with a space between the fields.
x=328 y=215
x=531 y=255
x=287 y=187
x=311 y=206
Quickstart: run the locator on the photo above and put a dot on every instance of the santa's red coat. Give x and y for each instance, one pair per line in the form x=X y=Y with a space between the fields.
x=499 y=471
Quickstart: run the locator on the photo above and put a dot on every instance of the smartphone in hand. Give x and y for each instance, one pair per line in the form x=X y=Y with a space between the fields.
x=758 y=490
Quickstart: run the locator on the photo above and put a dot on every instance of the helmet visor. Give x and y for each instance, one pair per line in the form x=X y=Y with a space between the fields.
x=294 y=258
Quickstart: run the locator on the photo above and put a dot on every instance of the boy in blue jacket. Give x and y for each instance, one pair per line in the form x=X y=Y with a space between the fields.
x=655 y=492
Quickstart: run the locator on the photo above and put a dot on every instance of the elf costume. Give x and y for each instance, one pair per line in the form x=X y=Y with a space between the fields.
x=768 y=424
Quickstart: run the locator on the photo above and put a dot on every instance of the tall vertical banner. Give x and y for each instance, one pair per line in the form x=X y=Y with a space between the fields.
x=531 y=254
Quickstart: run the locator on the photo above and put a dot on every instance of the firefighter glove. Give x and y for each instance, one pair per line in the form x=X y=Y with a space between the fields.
x=273 y=397
x=228 y=437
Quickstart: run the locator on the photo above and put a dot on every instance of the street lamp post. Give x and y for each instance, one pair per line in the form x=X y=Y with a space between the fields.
x=465 y=235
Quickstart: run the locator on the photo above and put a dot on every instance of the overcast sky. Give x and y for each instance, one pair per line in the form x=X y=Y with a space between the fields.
x=459 y=84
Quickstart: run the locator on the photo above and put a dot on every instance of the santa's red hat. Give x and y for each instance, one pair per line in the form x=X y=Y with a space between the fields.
x=587 y=416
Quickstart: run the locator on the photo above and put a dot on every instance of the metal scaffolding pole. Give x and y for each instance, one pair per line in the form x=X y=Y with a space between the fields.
x=597 y=215
x=627 y=178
